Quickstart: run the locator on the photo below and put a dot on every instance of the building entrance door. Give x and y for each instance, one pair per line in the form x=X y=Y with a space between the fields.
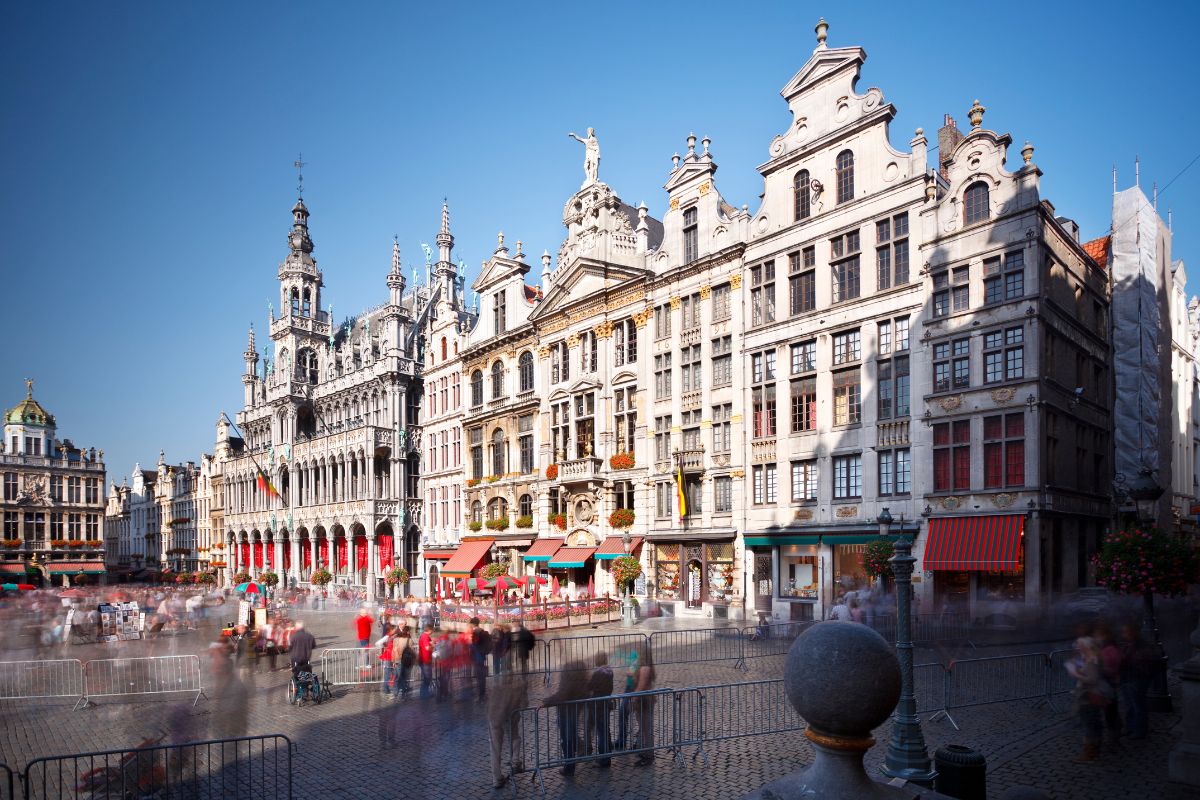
x=695 y=584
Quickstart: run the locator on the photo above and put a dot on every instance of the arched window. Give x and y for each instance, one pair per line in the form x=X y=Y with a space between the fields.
x=800 y=197
x=476 y=512
x=525 y=371
x=306 y=306
x=497 y=508
x=443 y=348
x=477 y=388
x=845 y=176
x=975 y=203
x=497 y=380
x=525 y=506
x=498 y=452
x=306 y=366
x=295 y=303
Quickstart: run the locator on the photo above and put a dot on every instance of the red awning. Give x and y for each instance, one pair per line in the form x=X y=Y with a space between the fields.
x=437 y=555
x=543 y=549
x=568 y=557
x=614 y=547
x=12 y=569
x=467 y=557
x=72 y=567
x=974 y=543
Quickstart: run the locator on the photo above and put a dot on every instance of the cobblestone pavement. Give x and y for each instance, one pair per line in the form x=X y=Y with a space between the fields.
x=441 y=749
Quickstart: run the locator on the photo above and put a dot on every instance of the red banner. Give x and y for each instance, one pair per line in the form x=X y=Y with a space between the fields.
x=343 y=552
x=287 y=555
x=360 y=553
x=258 y=555
x=306 y=553
x=323 y=553
x=270 y=555
x=385 y=551
x=244 y=561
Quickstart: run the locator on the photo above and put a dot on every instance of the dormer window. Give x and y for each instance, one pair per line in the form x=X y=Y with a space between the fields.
x=976 y=206
x=845 y=177
x=499 y=312
x=800 y=198
x=691 y=236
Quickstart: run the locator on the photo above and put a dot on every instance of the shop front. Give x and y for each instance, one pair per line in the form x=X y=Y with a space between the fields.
x=435 y=561
x=694 y=576
x=574 y=568
x=787 y=577
x=612 y=548
x=978 y=566
x=468 y=558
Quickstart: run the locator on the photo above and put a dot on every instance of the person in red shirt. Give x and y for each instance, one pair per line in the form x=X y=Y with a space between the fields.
x=362 y=625
x=425 y=659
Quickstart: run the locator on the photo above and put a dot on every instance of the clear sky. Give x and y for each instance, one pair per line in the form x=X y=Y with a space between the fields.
x=146 y=151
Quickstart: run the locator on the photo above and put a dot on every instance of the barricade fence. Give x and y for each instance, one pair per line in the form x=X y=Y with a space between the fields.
x=113 y=677
x=25 y=680
x=693 y=646
x=351 y=666
x=249 y=766
x=771 y=639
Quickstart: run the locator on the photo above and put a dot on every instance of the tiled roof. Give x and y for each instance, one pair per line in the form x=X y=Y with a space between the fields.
x=1098 y=250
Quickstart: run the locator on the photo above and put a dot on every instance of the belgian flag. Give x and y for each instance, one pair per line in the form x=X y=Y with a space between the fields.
x=679 y=491
x=265 y=486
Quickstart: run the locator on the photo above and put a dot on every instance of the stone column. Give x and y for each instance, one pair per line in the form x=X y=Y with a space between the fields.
x=294 y=547
x=372 y=562
x=279 y=570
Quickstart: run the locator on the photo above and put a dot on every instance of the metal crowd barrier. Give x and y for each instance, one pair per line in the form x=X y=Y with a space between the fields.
x=24 y=680
x=249 y=766
x=1059 y=682
x=980 y=681
x=773 y=639
x=696 y=645
x=112 y=677
x=731 y=711
x=926 y=628
x=351 y=666
x=584 y=648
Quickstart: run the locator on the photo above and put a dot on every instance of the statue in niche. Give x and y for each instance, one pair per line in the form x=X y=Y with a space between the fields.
x=591 y=156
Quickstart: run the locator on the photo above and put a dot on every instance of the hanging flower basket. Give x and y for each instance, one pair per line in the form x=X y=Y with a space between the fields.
x=626 y=569
x=396 y=575
x=184 y=577
x=268 y=578
x=621 y=518
x=320 y=577
x=552 y=472
x=1145 y=560
x=495 y=569
x=242 y=577
x=875 y=557
x=475 y=525
x=525 y=521
x=498 y=524
x=206 y=578
x=559 y=521
x=621 y=461
x=218 y=546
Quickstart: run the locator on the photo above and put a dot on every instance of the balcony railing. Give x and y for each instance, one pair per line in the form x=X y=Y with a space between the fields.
x=690 y=460
x=893 y=434
x=579 y=469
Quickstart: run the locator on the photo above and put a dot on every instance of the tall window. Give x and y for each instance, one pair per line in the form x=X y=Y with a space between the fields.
x=662 y=438
x=525 y=506
x=10 y=485
x=560 y=428
x=847 y=347
x=951 y=365
x=74 y=495
x=499 y=312
x=722 y=494
x=847 y=397
x=585 y=424
x=560 y=362
x=720 y=302
x=975 y=203
x=895 y=471
x=662 y=321
x=587 y=351
x=690 y=362
x=891 y=251
x=847 y=477
x=844 y=266
x=663 y=496
x=477 y=388
x=800 y=199
x=762 y=293
x=802 y=280
x=525 y=372
x=690 y=421
x=952 y=456
x=625 y=418
x=1004 y=355
x=690 y=306
x=625 y=341
x=476 y=438
x=722 y=433
x=525 y=442
x=691 y=236
x=893 y=380
x=623 y=493
x=766 y=484
x=804 y=405
x=722 y=361
x=497 y=380
x=950 y=292
x=1004 y=451
x=1004 y=279
x=763 y=393
x=804 y=481
x=56 y=487
x=662 y=375
x=845 y=177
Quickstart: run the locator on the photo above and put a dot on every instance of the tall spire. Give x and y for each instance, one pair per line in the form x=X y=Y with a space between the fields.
x=395 y=278
x=445 y=242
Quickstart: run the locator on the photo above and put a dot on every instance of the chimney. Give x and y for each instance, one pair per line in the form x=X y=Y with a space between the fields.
x=948 y=139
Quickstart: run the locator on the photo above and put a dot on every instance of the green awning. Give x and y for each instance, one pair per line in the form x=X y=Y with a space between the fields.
x=828 y=539
x=767 y=541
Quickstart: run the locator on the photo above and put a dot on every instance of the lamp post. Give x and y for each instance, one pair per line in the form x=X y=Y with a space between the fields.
x=1145 y=493
x=628 y=616
x=907 y=756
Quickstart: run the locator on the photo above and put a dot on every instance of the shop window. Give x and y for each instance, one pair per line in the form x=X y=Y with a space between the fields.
x=798 y=572
x=719 y=559
x=667 y=570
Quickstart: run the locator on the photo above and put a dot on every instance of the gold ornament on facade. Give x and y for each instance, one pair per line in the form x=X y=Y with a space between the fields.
x=705 y=292
x=735 y=280
x=1003 y=500
x=604 y=330
x=846 y=512
x=674 y=203
x=1003 y=395
x=675 y=303
x=803 y=514
x=738 y=473
x=704 y=188
x=951 y=403
x=573 y=340
x=642 y=317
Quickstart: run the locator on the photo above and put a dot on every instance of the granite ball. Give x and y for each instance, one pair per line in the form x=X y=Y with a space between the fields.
x=842 y=678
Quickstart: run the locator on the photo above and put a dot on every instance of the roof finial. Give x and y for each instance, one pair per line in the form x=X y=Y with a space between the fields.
x=29 y=388
x=445 y=216
x=396 y=254
x=300 y=165
x=975 y=114
x=691 y=140
x=822 y=30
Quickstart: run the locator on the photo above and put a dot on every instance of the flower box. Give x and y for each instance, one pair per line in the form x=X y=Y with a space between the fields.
x=472 y=482
x=494 y=478
x=525 y=521
x=498 y=524
x=75 y=543
x=621 y=518
x=475 y=525
x=552 y=472
x=11 y=542
x=621 y=461
x=559 y=521
x=58 y=542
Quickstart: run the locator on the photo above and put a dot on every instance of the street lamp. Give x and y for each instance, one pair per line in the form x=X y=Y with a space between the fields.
x=907 y=756
x=628 y=618
x=1145 y=493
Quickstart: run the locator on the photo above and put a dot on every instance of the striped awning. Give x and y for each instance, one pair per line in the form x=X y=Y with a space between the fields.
x=467 y=557
x=974 y=543
x=614 y=547
x=75 y=567
x=543 y=549
x=568 y=557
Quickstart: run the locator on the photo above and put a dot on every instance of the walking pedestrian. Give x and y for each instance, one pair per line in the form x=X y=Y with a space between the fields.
x=481 y=648
x=509 y=696
x=600 y=688
x=425 y=658
x=1137 y=671
x=572 y=686
x=501 y=646
x=523 y=644
x=1110 y=672
x=402 y=658
x=644 y=705
x=386 y=645
x=1090 y=697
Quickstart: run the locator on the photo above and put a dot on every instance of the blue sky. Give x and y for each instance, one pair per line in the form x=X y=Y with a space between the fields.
x=146 y=152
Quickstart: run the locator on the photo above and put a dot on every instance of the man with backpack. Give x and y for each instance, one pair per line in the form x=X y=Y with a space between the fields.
x=481 y=648
x=523 y=644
